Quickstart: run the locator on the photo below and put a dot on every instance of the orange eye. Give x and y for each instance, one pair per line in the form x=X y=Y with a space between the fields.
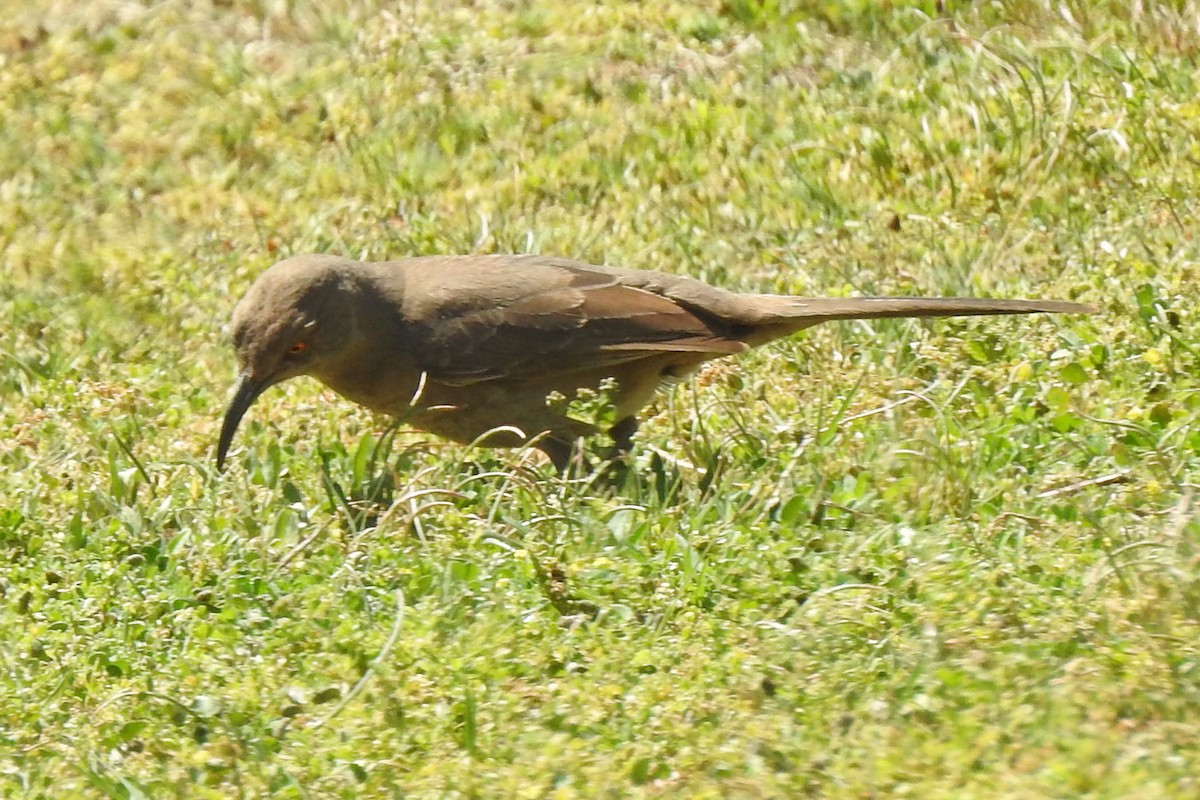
x=298 y=347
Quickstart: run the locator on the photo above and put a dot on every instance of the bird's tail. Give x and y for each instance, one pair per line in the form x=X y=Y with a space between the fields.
x=781 y=315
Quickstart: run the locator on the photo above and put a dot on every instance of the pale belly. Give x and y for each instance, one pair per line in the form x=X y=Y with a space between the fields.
x=506 y=412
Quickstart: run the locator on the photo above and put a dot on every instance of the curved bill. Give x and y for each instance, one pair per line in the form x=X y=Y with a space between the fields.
x=247 y=391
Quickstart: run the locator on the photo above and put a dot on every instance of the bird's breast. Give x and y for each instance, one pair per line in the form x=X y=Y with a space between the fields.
x=388 y=387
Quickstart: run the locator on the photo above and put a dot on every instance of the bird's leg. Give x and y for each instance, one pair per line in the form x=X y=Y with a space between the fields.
x=616 y=469
x=562 y=454
x=567 y=456
x=622 y=436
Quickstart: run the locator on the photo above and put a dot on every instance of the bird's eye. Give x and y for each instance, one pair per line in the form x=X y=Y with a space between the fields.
x=298 y=348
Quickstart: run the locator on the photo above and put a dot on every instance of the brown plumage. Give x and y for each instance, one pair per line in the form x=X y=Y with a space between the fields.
x=463 y=345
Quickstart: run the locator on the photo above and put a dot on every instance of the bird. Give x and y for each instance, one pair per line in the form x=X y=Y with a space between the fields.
x=470 y=347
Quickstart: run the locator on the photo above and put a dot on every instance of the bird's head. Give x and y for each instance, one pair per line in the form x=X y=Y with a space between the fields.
x=294 y=319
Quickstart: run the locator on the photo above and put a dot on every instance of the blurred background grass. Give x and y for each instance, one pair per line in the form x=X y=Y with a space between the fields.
x=945 y=559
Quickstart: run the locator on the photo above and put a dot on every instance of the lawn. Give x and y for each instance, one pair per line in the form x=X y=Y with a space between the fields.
x=941 y=559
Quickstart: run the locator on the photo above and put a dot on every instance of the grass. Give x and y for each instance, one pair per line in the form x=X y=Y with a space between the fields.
x=897 y=559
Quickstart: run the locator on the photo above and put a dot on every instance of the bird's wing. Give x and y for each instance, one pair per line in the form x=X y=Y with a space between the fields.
x=523 y=318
